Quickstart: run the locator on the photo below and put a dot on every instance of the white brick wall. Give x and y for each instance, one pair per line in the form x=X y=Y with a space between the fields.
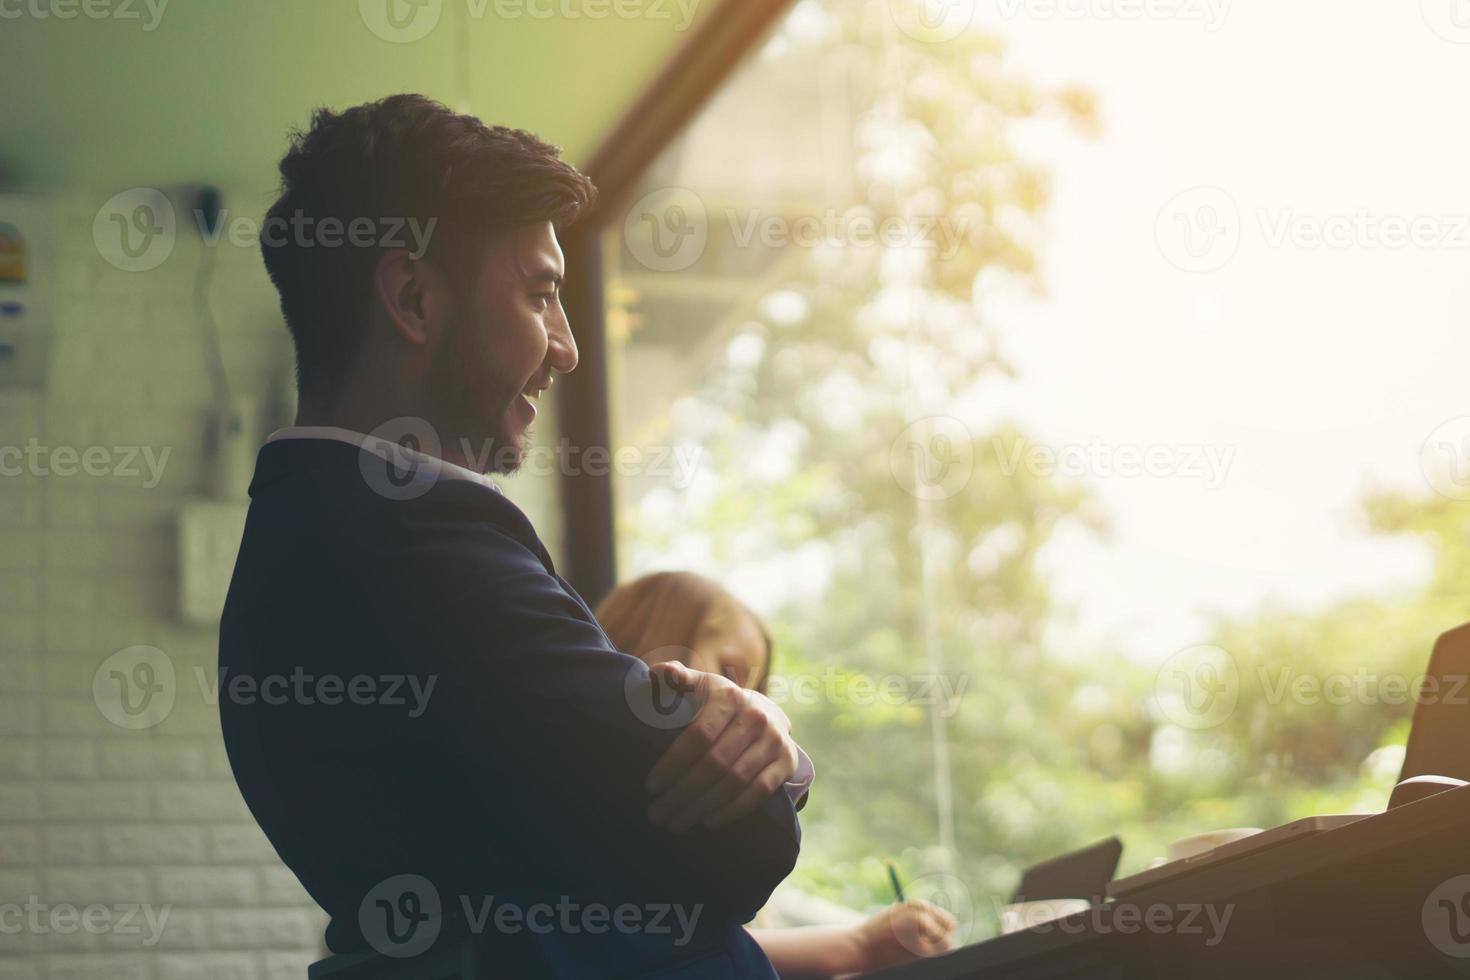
x=92 y=814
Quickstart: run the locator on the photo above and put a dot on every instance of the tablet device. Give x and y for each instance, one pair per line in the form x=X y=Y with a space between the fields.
x=1079 y=874
x=1438 y=746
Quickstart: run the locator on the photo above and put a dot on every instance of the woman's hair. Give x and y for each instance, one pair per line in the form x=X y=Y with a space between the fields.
x=666 y=609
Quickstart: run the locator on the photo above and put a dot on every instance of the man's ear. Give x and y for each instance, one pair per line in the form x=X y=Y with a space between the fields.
x=412 y=293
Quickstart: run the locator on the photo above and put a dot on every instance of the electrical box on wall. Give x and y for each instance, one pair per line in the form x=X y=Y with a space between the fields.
x=27 y=247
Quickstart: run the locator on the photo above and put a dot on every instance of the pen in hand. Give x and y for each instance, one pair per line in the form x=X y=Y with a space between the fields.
x=893 y=880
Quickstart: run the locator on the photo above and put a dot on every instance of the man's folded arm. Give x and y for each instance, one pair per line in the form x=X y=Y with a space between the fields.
x=564 y=730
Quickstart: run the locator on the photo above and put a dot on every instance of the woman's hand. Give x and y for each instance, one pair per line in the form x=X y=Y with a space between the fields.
x=902 y=933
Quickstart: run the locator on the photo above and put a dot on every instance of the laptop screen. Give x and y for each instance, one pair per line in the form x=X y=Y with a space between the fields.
x=1079 y=874
x=1438 y=742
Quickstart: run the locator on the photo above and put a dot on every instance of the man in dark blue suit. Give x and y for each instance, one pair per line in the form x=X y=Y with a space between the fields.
x=427 y=721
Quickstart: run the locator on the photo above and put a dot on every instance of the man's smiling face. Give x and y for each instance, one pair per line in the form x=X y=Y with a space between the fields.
x=509 y=339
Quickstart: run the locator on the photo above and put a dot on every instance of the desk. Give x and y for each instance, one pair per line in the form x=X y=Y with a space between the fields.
x=1375 y=900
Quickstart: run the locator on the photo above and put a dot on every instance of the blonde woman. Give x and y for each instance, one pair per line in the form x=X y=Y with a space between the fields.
x=680 y=616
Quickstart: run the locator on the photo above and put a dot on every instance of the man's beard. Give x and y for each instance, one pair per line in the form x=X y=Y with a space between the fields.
x=474 y=400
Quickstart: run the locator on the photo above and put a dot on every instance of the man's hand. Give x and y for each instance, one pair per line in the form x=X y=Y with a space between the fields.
x=734 y=755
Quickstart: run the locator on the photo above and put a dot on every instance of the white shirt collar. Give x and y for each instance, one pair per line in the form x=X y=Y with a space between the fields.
x=384 y=449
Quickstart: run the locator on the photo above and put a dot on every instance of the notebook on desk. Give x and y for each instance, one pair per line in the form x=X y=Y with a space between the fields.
x=1436 y=759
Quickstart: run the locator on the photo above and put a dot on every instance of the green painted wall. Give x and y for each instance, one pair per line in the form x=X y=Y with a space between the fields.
x=206 y=89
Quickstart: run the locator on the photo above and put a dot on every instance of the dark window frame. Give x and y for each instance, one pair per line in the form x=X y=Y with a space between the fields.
x=670 y=101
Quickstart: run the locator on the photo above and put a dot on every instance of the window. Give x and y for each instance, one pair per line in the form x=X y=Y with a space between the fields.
x=1047 y=415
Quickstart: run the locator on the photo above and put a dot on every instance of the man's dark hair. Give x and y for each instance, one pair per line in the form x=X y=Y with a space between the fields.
x=384 y=164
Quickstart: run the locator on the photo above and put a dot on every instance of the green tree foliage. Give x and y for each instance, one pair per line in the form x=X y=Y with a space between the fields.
x=807 y=427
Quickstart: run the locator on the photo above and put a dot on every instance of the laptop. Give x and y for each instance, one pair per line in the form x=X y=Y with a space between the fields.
x=1083 y=873
x=1436 y=759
